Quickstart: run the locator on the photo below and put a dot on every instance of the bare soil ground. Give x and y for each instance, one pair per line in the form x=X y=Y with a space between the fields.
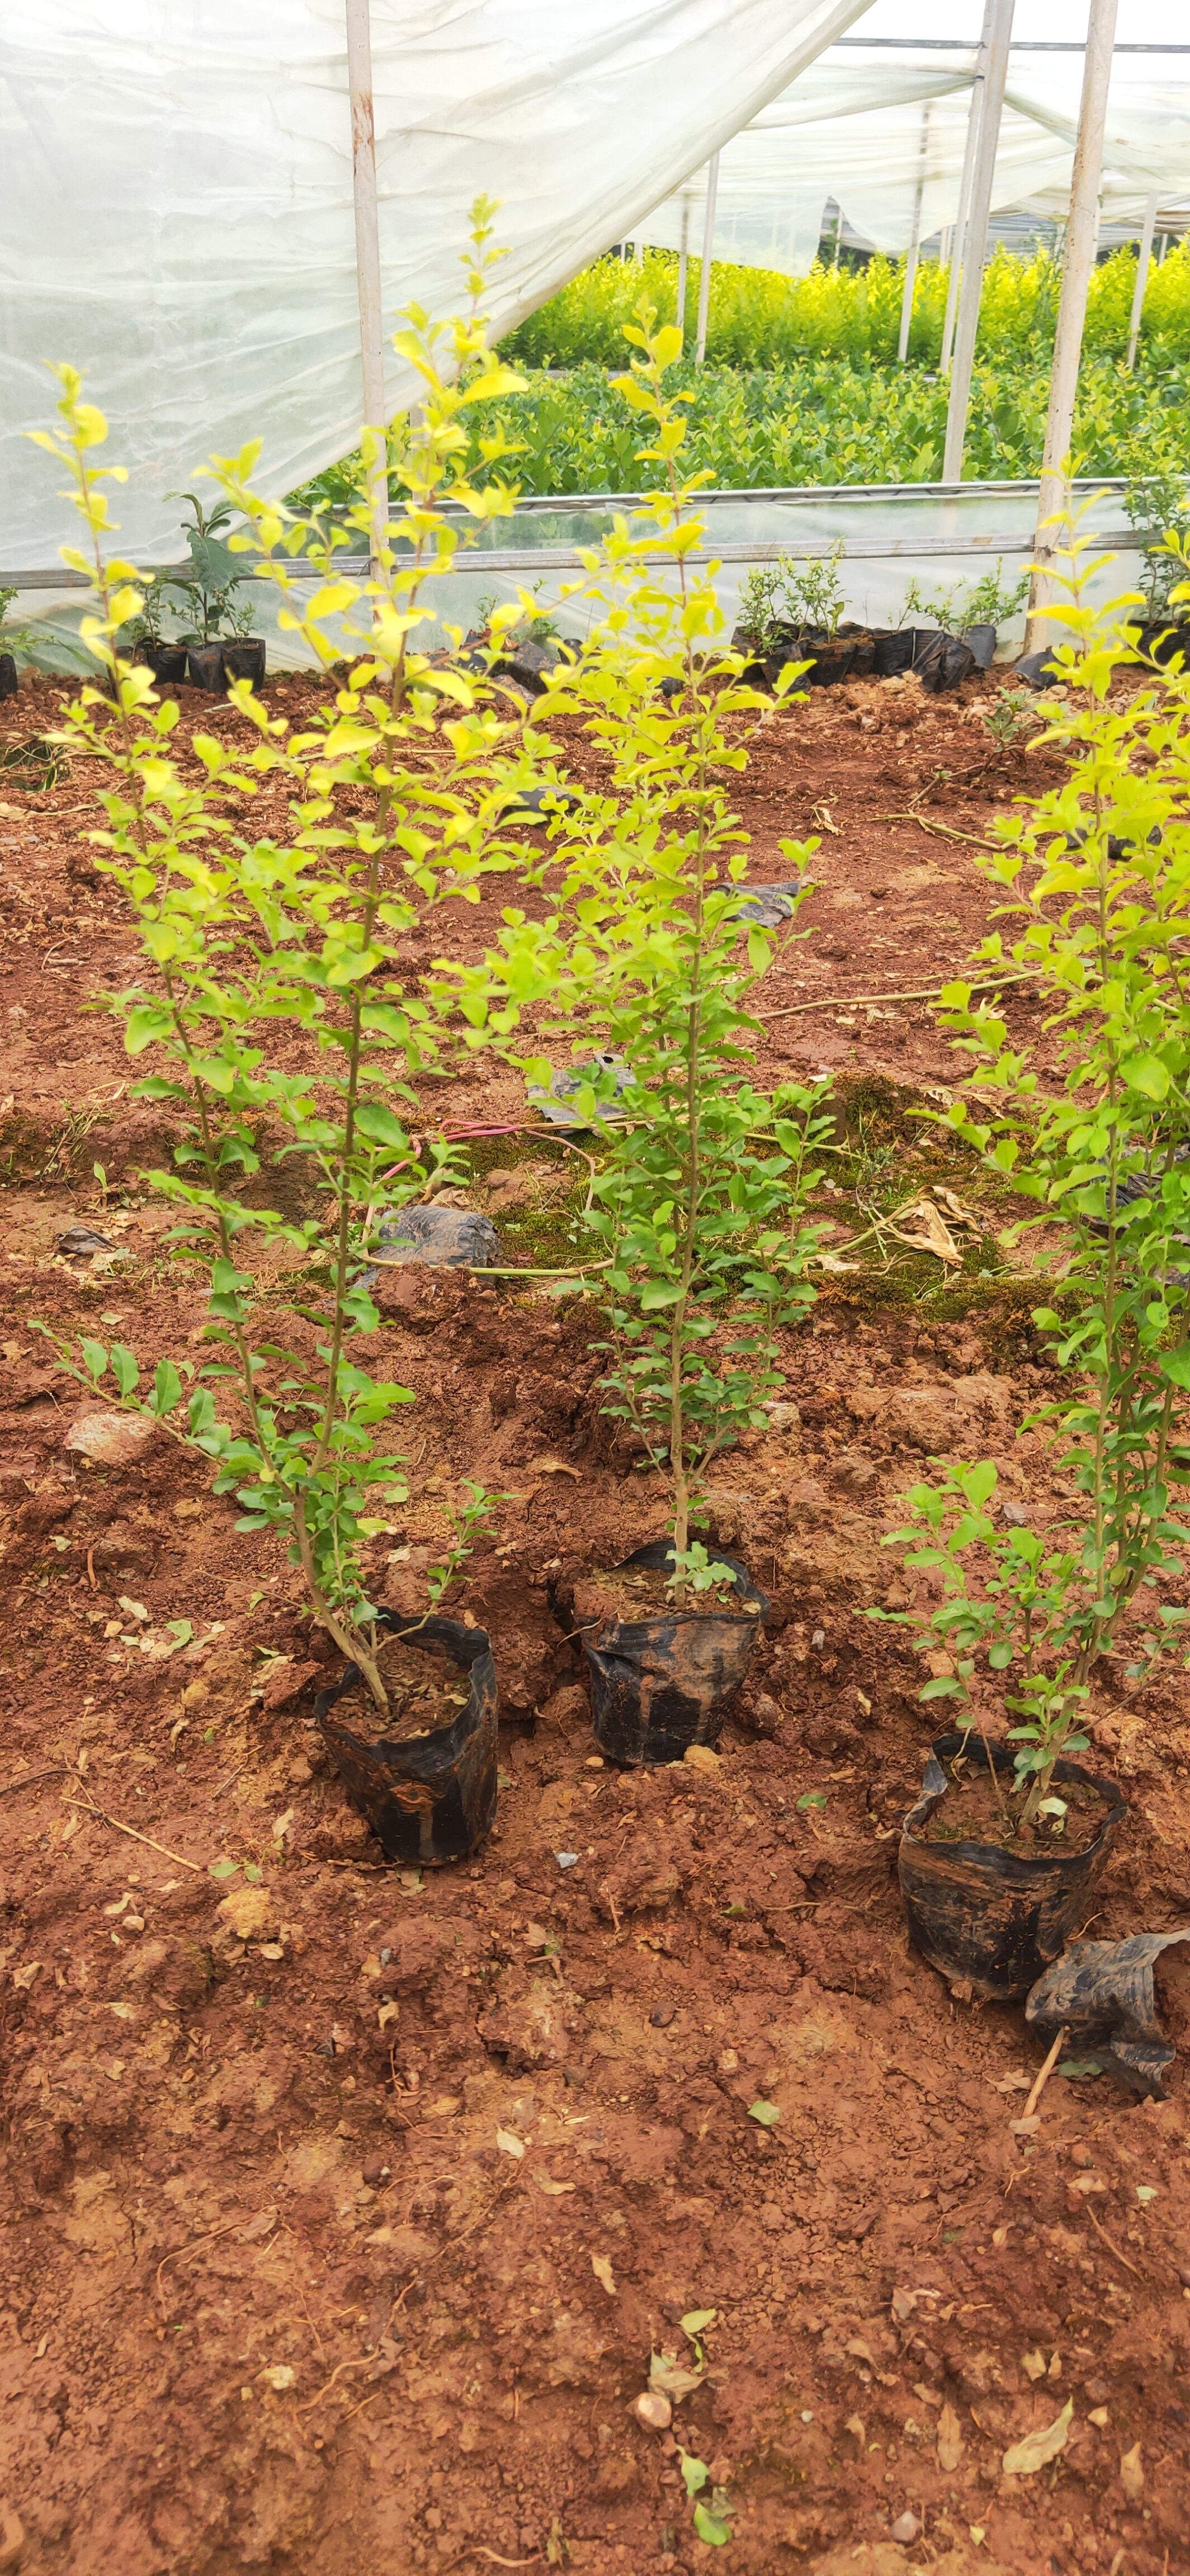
x=342 y=2227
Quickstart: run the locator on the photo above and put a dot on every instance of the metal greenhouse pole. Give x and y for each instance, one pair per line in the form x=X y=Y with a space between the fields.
x=995 y=75
x=914 y=242
x=367 y=253
x=704 y=280
x=1147 y=231
x=959 y=234
x=1082 y=238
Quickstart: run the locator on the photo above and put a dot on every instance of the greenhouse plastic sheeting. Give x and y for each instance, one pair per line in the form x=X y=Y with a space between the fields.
x=871 y=129
x=178 y=200
x=942 y=535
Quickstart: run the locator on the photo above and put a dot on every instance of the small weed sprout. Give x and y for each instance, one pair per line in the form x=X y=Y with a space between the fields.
x=1012 y=715
x=471 y=1519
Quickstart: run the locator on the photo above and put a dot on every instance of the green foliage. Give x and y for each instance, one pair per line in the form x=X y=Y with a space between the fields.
x=1096 y=875
x=241 y=935
x=987 y=602
x=471 y=1519
x=759 y=318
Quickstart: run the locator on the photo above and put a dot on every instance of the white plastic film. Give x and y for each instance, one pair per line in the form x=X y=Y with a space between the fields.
x=179 y=202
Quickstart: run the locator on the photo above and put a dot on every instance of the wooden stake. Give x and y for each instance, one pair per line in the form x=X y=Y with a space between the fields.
x=958 y=233
x=1042 y=2077
x=911 y=255
x=975 y=247
x=367 y=253
x=1142 y=274
x=708 y=238
x=1082 y=235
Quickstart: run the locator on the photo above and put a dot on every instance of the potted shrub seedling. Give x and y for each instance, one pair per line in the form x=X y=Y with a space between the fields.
x=244 y=938
x=145 y=633
x=1000 y=1860
x=219 y=645
x=1158 y=506
x=700 y=1203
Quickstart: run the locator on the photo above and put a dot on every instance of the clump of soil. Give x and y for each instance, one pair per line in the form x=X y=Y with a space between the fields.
x=646 y=1592
x=425 y=1687
x=974 y=1811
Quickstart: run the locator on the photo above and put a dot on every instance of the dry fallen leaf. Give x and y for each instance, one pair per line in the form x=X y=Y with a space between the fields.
x=386 y=2013
x=509 y=2142
x=1033 y=2365
x=22 y=1978
x=601 y=2265
x=279 y=2376
x=553 y=2190
x=1132 y=2476
x=923 y=1228
x=964 y=1217
x=1038 y=2449
x=552 y=1467
x=950 y=2444
x=672 y=2378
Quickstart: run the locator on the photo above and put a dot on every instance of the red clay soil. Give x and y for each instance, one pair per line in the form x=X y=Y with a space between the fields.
x=347 y=2205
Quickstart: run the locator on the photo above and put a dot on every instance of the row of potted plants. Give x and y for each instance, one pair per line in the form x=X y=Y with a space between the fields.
x=644 y=971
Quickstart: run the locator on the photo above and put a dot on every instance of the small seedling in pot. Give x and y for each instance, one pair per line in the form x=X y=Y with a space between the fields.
x=701 y=1202
x=207 y=592
x=242 y=938
x=1158 y=505
x=1097 y=874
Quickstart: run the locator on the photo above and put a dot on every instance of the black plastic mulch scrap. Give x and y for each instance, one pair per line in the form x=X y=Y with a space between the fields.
x=770 y=905
x=1102 y=1992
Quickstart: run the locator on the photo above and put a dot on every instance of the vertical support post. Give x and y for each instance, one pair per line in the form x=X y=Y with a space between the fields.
x=1082 y=240
x=1142 y=273
x=708 y=240
x=367 y=256
x=911 y=254
x=838 y=233
x=683 y=268
x=959 y=234
x=983 y=174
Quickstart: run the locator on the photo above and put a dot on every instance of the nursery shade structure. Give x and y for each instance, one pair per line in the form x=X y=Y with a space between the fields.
x=179 y=210
x=879 y=123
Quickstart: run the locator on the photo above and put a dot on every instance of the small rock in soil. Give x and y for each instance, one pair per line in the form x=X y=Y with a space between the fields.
x=111 y=1439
